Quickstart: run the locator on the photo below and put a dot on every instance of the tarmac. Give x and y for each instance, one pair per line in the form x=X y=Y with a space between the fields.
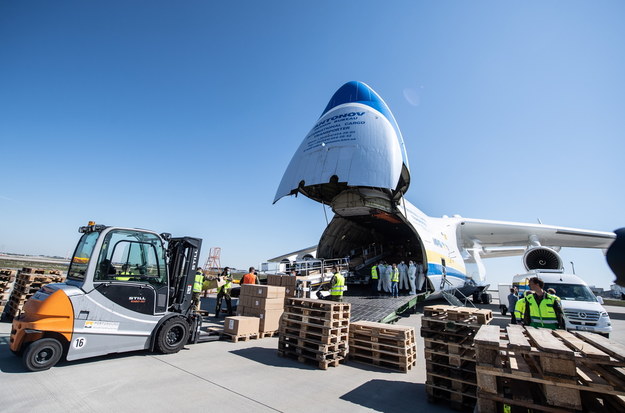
x=243 y=376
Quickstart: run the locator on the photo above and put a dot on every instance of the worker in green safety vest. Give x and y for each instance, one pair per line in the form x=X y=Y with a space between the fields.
x=126 y=274
x=541 y=309
x=374 y=280
x=395 y=281
x=338 y=285
x=197 y=288
x=223 y=292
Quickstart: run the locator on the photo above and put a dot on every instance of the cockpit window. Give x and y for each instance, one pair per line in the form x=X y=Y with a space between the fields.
x=82 y=255
x=132 y=256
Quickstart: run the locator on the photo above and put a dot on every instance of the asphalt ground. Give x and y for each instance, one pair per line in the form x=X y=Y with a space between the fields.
x=247 y=376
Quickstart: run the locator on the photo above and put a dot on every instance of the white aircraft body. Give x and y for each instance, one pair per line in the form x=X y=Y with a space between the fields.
x=354 y=160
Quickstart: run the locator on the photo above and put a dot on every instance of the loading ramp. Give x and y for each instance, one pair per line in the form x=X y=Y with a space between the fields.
x=381 y=309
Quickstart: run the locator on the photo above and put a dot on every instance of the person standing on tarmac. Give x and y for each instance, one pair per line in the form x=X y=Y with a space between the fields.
x=541 y=308
x=197 y=288
x=223 y=292
x=250 y=277
x=512 y=300
x=337 y=285
x=374 y=280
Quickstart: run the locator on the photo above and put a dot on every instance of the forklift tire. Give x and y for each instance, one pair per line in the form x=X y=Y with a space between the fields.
x=172 y=336
x=42 y=354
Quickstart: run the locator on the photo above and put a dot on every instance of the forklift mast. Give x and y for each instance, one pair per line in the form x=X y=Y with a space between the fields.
x=183 y=254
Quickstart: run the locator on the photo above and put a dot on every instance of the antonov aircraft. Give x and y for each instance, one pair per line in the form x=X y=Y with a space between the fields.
x=355 y=161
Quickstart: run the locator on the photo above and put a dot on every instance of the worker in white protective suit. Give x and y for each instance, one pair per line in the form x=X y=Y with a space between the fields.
x=420 y=276
x=403 y=276
x=412 y=275
x=388 y=271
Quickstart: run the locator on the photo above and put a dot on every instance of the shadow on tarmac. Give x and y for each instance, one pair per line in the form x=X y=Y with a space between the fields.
x=389 y=396
x=269 y=357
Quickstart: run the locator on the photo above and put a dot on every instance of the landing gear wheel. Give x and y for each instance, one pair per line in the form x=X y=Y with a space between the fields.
x=476 y=298
x=486 y=298
x=503 y=309
x=42 y=354
x=172 y=336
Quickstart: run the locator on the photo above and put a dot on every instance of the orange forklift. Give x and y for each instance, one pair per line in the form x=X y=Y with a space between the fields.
x=126 y=290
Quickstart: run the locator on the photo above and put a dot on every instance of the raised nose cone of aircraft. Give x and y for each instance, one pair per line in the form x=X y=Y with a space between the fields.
x=356 y=143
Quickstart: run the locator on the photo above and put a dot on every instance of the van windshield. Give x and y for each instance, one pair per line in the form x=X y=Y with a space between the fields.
x=573 y=292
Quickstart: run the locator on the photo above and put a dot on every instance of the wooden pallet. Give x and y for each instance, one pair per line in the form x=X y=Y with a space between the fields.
x=310 y=344
x=382 y=347
x=322 y=314
x=461 y=314
x=322 y=364
x=455 y=399
x=235 y=338
x=314 y=320
x=312 y=354
x=563 y=370
x=382 y=330
x=265 y=334
x=319 y=305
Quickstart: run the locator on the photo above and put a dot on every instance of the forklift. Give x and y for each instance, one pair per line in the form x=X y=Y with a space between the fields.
x=126 y=290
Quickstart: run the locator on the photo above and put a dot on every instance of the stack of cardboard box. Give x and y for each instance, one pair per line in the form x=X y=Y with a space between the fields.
x=265 y=302
x=287 y=281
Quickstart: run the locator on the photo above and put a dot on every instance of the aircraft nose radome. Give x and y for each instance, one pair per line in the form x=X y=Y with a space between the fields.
x=355 y=91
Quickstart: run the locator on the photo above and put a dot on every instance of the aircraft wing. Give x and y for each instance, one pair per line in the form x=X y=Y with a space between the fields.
x=500 y=237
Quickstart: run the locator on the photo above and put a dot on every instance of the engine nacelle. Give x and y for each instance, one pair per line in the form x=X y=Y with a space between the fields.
x=542 y=258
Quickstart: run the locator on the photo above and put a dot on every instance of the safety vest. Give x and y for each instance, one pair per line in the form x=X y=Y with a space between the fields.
x=519 y=309
x=542 y=315
x=339 y=284
x=374 y=272
x=124 y=278
x=199 y=280
x=395 y=275
x=226 y=287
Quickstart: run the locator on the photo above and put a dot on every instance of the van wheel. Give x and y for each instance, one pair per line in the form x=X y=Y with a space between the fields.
x=42 y=354
x=172 y=336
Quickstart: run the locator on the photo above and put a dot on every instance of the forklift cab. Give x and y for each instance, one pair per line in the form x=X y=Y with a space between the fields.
x=127 y=266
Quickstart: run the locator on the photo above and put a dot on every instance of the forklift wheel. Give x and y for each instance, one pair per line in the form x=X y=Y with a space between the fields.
x=172 y=336
x=42 y=354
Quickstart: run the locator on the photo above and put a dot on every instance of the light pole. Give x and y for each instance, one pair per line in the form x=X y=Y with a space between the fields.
x=573 y=266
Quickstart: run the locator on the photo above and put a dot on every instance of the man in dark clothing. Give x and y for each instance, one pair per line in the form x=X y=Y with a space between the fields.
x=512 y=300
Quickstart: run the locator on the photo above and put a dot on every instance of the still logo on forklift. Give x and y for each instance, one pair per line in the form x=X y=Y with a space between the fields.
x=135 y=300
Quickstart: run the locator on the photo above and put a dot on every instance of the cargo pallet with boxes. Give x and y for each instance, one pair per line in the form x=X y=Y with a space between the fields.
x=258 y=313
x=448 y=334
x=521 y=369
x=27 y=282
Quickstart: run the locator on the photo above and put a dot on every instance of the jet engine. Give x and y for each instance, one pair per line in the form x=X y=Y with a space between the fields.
x=542 y=258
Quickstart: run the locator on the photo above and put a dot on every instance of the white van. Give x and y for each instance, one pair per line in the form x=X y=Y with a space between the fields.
x=582 y=309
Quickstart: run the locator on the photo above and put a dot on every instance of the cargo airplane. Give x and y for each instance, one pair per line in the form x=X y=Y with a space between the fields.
x=354 y=160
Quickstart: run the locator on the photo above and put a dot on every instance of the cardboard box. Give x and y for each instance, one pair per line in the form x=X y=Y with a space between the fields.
x=270 y=320
x=239 y=325
x=288 y=281
x=247 y=290
x=268 y=291
x=273 y=279
x=215 y=283
x=290 y=291
x=267 y=303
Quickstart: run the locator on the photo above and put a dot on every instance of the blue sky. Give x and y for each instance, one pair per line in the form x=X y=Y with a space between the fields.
x=181 y=117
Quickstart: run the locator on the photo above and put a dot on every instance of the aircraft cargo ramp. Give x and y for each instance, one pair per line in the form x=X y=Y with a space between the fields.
x=381 y=309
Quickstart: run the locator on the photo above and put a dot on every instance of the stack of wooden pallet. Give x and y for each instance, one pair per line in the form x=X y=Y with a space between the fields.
x=448 y=334
x=28 y=282
x=7 y=279
x=548 y=371
x=315 y=331
x=384 y=345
